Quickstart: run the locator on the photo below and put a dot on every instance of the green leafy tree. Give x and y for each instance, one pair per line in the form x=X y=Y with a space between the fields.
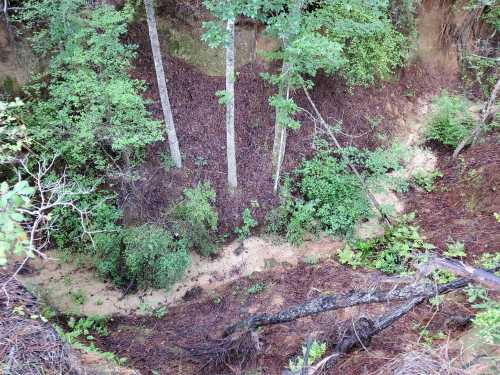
x=354 y=39
x=88 y=110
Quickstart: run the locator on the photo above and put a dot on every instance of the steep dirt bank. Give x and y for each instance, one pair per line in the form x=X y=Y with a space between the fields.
x=463 y=202
x=370 y=116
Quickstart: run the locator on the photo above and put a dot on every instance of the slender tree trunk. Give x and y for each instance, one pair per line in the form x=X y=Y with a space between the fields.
x=175 y=153
x=277 y=127
x=280 y=134
x=230 y=106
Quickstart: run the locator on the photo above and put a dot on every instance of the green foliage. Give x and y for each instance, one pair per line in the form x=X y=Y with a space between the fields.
x=78 y=297
x=442 y=276
x=426 y=179
x=390 y=253
x=86 y=327
x=316 y=351
x=13 y=238
x=450 y=120
x=196 y=219
x=13 y=133
x=147 y=255
x=455 y=250
x=87 y=109
x=285 y=110
x=488 y=321
x=256 y=288
x=249 y=223
x=103 y=216
x=489 y=261
x=337 y=195
x=371 y=46
x=329 y=196
x=480 y=71
x=403 y=15
x=167 y=161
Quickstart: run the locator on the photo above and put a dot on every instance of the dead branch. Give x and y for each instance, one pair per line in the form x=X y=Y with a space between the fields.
x=49 y=194
x=218 y=353
x=487 y=111
x=341 y=301
x=362 y=332
x=351 y=165
x=481 y=276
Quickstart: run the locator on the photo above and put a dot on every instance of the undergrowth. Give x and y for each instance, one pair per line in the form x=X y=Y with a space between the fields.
x=195 y=219
x=390 y=253
x=328 y=196
x=450 y=120
x=147 y=256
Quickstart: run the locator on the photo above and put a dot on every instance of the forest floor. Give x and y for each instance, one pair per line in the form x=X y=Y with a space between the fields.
x=157 y=343
x=460 y=209
x=369 y=116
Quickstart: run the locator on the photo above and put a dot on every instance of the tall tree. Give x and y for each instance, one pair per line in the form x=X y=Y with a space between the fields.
x=232 y=178
x=162 y=85
x=288 y=34
x=354 y=39
x=226 y=12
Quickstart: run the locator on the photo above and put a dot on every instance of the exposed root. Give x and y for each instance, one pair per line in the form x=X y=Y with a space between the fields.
x=230 y=352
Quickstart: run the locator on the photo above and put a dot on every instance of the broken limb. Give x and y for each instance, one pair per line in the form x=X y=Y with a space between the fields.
x=341 y=301
x=351 y=165
x=485 y=116
x=488 y=279
x=363 y=331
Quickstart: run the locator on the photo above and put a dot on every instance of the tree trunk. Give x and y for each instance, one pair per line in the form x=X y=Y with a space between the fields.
x=175 y=153
x=232 y=178
x=280 y=134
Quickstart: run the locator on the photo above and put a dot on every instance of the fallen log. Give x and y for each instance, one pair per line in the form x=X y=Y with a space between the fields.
x=361 y=334
x=341 y=301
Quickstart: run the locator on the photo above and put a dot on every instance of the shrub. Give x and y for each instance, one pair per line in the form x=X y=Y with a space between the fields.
x=316 y=351
x=339 y=200
x=426 y=179
x=147 y=255
x=196 y=220
x=390 y=253
x=450 y=120
x=248 y=224
x=329 y=196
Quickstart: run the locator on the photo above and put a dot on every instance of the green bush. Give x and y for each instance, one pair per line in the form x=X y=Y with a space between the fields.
x=390 y=253
x=329 y=196
x=196 y=220
x=147 y=255
x=249 y=223
x=338 y=197
x=450 y=120
x=426 y=179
